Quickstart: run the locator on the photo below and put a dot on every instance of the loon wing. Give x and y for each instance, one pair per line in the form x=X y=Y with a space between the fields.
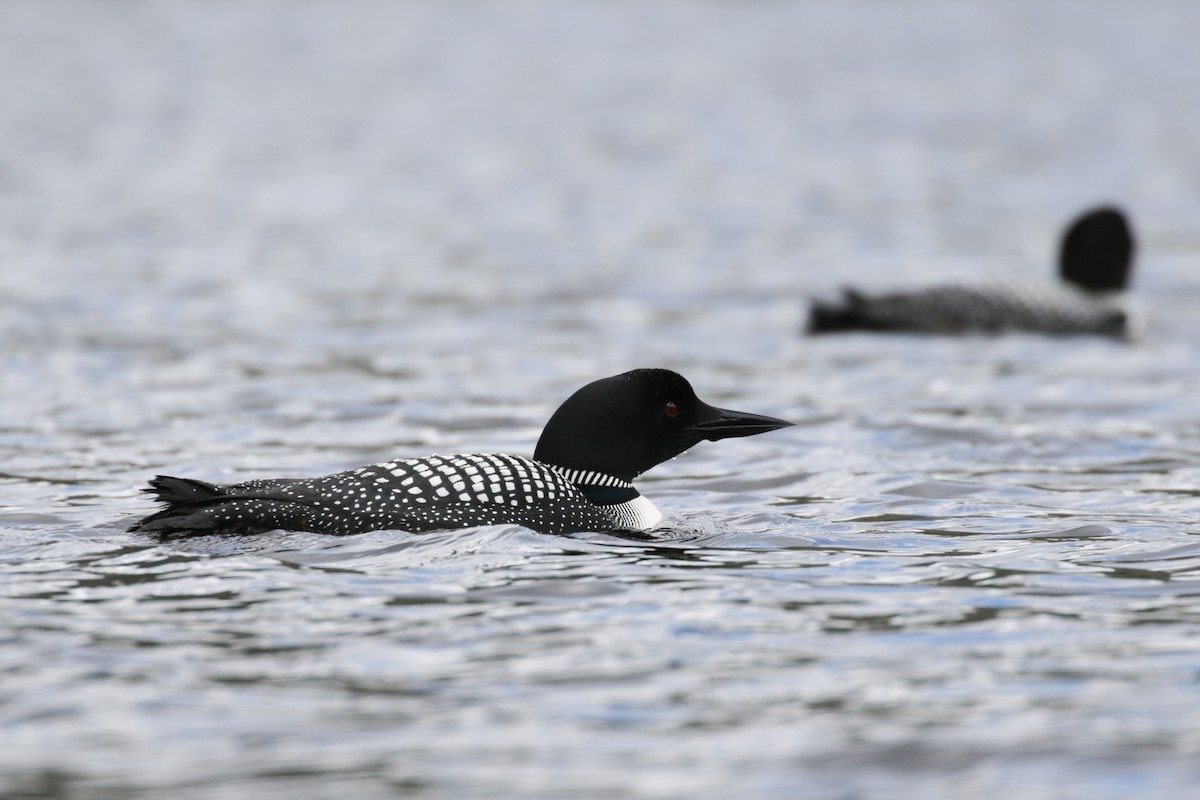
x=959 y=308
x=936 y=309
x=195 y=506
x=435 y=493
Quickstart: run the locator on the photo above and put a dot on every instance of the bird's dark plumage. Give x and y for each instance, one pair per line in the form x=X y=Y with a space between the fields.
x=580 y=478
x=1095 y=261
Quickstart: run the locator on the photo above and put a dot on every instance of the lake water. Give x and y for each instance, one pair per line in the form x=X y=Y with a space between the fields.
x=271 y=238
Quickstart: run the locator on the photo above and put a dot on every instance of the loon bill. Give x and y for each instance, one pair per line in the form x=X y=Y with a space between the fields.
x=579 y=479
x=1095 y=262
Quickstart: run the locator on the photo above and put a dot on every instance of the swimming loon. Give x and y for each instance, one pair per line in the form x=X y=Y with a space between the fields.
x=580 y=477
x=1095 y=258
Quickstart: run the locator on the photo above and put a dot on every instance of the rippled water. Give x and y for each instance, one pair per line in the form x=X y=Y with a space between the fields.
x=266 y=238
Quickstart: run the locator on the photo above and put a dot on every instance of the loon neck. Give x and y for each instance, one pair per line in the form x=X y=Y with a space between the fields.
x=601 y=489
x=589 y=478
x=629 y=509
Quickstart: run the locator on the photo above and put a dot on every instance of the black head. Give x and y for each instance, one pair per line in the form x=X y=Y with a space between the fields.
x=1097 y=251
x=624 y=425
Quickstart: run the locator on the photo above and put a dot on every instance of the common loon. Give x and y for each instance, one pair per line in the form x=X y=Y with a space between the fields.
x=580 y=477
x=1095 y=260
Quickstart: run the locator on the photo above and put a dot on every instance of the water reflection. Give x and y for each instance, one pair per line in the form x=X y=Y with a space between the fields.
x=255 y=240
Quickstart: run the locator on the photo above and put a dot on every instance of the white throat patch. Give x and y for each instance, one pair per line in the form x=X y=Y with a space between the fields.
x=638 y=514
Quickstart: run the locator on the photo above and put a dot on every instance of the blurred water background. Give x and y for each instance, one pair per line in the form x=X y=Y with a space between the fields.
x=268 y=238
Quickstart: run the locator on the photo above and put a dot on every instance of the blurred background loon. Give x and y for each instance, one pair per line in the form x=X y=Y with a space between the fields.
x=1095 y=261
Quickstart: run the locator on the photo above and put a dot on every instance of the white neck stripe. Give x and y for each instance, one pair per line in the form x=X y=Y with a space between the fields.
x=593 y=478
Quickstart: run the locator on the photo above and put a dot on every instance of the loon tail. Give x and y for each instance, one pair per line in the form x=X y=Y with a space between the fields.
x=183 y=498
x=179 y=491
x=845 y=314
x=198 y=507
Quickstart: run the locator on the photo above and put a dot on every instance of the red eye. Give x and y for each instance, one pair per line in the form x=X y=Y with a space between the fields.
x=671 y=410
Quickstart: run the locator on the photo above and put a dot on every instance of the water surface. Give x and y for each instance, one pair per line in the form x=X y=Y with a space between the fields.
x=263 y=239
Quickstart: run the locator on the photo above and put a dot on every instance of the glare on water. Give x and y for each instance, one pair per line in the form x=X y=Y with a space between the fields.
x=274 y=239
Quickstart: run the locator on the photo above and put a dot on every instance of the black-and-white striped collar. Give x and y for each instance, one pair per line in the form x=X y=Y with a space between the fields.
x=582 y=477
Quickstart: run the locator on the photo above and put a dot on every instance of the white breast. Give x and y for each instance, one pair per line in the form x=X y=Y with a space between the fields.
x=638 y=514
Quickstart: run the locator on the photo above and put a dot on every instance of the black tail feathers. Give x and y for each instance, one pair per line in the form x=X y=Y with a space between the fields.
x=180 y=491
x=181 y=498
x=829 y=316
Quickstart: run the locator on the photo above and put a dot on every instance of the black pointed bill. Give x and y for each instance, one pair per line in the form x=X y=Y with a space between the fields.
x=721 y=423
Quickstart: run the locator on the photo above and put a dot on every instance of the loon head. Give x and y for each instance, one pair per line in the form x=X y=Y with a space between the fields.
x=624 y=425
x=1097 y=251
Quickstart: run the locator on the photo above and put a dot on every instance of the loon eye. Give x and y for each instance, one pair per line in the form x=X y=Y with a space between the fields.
x=671 y=410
